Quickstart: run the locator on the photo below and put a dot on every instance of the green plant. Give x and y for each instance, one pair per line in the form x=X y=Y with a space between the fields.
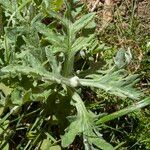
x=40 y=85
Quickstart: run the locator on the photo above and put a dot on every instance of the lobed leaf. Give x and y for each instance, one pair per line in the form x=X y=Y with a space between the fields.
x=117 y=83
x=83 y=123
x=52 y=37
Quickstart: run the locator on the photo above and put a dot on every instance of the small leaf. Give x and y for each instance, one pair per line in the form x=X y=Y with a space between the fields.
x=94 y=138
x=46 y=144
x=16 y=98
x=52 y=60
x=5 y=89
x=26 y=96
x=122 y=58
x=56 y=4
x=101 y=143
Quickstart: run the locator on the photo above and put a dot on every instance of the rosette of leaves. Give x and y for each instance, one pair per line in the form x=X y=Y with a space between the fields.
x=37 y=65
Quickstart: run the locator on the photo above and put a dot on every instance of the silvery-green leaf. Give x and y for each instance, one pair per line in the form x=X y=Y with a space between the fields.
x=52 y=37
x=117 y=83
x=52 y=60
x=123 y=58
x=120 y=58
x=71 y=132
x=84 y=124
x=80 y=123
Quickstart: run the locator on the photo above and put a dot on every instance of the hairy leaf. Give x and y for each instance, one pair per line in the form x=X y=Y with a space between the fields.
x=83 y=123
x=118 y=83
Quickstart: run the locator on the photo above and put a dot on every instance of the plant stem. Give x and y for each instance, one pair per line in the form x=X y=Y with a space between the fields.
x=68 y=65
x=124 y=111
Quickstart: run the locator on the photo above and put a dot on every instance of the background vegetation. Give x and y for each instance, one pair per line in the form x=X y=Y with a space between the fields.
x=68 y=77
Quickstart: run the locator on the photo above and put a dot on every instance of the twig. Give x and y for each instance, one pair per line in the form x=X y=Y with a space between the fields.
x=94 y=6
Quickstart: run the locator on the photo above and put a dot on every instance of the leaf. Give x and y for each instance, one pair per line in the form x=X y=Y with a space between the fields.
x=26 y=70
x=122 y=58
x=56 y=4
x=6 y=147
x=38 y=72
x=35 y=73
x=83 y=123
x=125 y=111
x=80 y=121
x=49 y=35
x=101 y=143
x=81 y=42
x=5 y=89
x=30 y=66
x=1 y=110
x=71 y=132
x=52 y=60
x=117 y=83
x=47 y=145
x=41 y=96
x=82 y=22
x=92 y=137
x=16 y=98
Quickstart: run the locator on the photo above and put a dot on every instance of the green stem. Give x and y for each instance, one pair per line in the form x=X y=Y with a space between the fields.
x=68 y=65
x=1 y=21
x=124 y=111
x=69 y=62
